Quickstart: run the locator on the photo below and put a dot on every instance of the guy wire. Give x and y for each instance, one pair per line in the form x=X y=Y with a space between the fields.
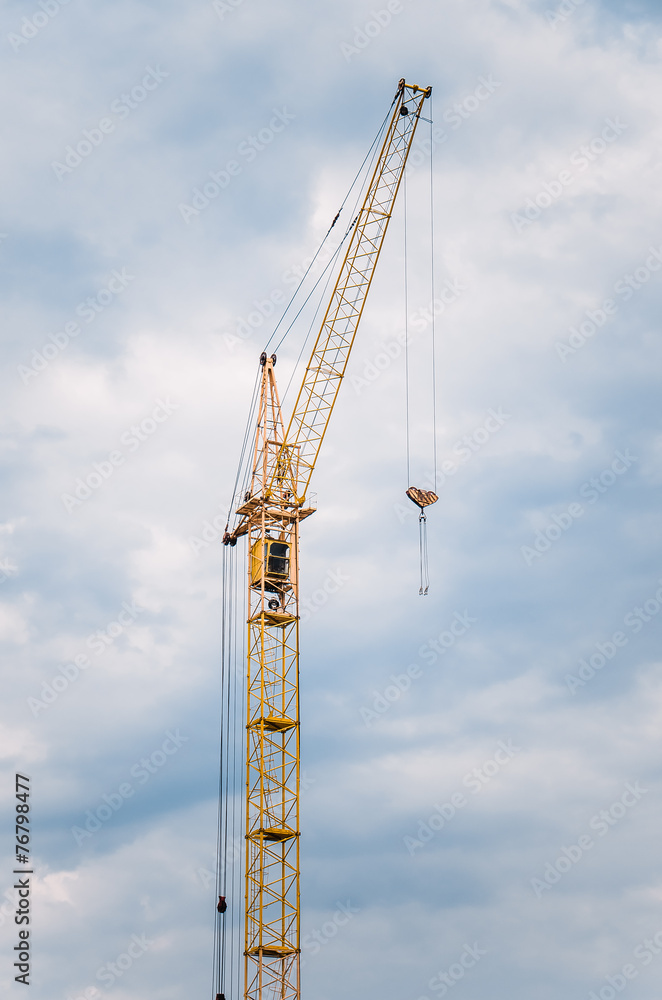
x=247 y=433
x=307 y=271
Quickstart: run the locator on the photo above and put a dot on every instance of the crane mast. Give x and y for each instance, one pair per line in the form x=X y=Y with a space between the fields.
x=283 y=463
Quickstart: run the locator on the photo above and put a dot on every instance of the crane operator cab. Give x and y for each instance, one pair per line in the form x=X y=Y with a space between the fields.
x=272 y=556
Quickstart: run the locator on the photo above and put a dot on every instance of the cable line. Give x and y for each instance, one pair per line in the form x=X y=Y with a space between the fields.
x=422 y=498
x=243 y=467
x=371 y=153
x=312 y=326
x=406 y=283
x=225 y=972
x=247 y=434
x=433 y=298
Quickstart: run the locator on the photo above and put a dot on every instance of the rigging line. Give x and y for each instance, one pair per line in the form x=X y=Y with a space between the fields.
x=227 y=755
x=319 y=249
x=217 y=964
x=296 y=292
x=406 y=334
x=228 y=747
x=247 y=470
x=249 y=426
x=336 y=252
x=224 y=741
x=238 y=869
x=228 y=644
x=247 y=434
x=329 y=268
x=229 y=789
x=308 y=297
x=228 y=723
x=312 y=326
x=239 y=732
x=233 y=825
x=434 y=338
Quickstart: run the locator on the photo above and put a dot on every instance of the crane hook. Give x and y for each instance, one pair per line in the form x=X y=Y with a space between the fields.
x=422 y=499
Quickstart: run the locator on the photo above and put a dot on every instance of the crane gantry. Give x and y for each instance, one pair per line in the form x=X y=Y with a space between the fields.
x=269 y=515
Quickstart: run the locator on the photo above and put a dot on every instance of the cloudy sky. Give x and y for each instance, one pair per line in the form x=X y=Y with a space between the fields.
x=482 y=765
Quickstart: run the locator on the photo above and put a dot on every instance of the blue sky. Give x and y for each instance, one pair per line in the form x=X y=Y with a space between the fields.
x=545 y=542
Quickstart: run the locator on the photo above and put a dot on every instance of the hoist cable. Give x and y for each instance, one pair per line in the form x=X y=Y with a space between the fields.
x=240 y=698
x=223 y=866
x=359 y=198
x=238 y=818
x=312 y=325
x=224 y=973
x=245 y=470
x=406 y=292
x=296 y=292
x=308 y=297
x=219 y=924
x=238 y=763
x=433 y=310
x=228 y=852
x=247 y=434
x=319 y=249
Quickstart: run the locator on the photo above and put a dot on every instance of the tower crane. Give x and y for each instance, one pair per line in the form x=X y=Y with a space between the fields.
x=269 y=514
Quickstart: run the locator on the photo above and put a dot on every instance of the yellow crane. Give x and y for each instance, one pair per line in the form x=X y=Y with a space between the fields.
x=270 y=514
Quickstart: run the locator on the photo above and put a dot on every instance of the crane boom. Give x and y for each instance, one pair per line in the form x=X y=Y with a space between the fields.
x=283 y=462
